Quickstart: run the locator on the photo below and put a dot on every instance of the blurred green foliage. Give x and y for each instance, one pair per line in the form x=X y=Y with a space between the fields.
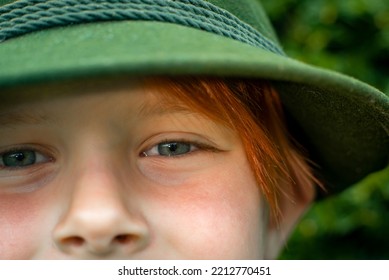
x=353 y=225
x=349 y=36
x=352 y=37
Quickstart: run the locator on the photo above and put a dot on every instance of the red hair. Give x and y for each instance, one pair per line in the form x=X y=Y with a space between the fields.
x=253 y=109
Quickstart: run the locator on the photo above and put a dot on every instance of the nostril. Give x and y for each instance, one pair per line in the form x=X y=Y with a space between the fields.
x=124 y=238
x=74 y=240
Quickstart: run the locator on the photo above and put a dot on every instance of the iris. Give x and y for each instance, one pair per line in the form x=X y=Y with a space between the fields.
x=173 y=149
x=18 y=158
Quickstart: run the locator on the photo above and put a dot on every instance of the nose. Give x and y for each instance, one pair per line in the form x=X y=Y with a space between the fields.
x=99 y=221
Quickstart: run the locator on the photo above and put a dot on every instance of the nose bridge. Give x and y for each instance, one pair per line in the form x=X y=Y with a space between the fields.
x=99 y=218
x=96 y=184
x=95 y=169
x=97 y=193
x=97 y=173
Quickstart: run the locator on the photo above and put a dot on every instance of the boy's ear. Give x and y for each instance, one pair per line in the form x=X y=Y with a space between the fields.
x=291 y=207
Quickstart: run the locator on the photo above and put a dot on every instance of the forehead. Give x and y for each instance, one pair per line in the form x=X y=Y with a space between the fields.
x=32 y=93
x=36 y=104
x=24 y=104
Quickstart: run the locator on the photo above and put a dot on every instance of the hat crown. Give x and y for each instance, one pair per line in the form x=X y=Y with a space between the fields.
x=245 y=22
x=251 y=12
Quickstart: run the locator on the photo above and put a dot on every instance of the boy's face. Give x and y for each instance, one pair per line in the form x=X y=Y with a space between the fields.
x=124 y=175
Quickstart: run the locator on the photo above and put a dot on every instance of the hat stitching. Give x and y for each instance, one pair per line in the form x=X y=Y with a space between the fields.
x=23 y=16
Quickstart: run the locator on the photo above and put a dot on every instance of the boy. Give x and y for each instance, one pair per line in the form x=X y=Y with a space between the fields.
x=155 y=129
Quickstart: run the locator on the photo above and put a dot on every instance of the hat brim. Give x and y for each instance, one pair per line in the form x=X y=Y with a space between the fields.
x=342 y=122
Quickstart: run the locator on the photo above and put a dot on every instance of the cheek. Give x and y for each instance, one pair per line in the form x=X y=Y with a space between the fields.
x=22 y=225
x=215 y=217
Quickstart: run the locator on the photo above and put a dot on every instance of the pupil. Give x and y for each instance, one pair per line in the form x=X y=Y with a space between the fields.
x=173 y=147
x=19 y=156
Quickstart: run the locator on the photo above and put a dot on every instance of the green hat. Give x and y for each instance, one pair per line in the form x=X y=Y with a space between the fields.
x=343 y=123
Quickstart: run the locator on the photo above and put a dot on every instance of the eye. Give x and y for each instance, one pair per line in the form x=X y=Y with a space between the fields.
x=21 y=158
x=170 y=149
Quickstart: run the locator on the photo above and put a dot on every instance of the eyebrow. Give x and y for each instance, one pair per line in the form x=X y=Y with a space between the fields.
x=149 y=108
x=9 y=119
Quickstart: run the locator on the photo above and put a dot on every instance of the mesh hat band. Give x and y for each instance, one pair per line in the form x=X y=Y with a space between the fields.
x=21 y=17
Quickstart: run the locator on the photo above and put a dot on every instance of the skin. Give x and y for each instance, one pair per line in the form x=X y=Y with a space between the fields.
x=100 y=189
